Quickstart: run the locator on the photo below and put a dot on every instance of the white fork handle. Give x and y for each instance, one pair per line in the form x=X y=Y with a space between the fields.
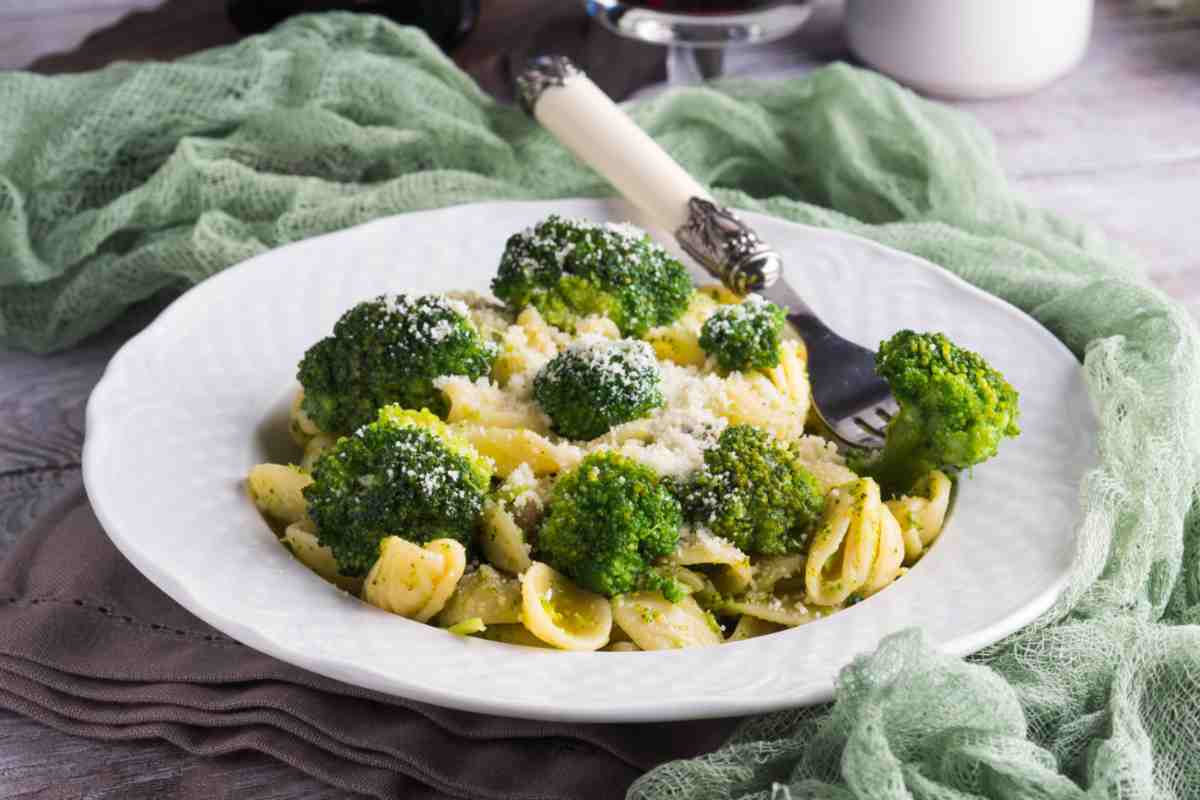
x=603 y=136
x=590 y=125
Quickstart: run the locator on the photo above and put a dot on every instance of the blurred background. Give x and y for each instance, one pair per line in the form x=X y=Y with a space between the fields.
x=1111 y=135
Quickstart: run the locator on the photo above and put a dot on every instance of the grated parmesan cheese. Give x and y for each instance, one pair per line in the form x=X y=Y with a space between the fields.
x=672 y=440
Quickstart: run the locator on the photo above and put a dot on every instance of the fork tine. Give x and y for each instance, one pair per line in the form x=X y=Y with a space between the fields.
x=849 y=396
x=862 y=423
x=851 y=435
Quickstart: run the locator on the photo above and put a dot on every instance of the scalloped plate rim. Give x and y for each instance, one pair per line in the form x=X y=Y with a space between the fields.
x=595 y=709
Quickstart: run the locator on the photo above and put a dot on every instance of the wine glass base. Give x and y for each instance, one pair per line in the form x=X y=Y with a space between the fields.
x=700 y=30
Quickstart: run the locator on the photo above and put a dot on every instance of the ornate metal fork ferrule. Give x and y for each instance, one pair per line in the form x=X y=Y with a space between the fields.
x=540 y=74
x=727 y=247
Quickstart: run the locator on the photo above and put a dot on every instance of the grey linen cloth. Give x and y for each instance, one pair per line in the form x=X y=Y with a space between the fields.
x=89 y=646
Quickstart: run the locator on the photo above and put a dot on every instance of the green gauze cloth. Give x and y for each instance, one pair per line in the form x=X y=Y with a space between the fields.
x=119 y=183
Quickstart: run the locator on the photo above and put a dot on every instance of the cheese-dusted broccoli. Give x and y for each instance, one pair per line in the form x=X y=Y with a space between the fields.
x=598 y=383
x=405 y=475
x=744 y=336
x=390 y=350
x=571 y=269
x=755 y=492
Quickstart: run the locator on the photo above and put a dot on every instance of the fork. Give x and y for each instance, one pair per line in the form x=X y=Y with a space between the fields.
x=852 y=401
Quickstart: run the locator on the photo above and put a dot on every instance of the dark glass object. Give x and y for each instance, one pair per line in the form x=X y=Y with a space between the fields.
x=446 y=21
x=702 y=6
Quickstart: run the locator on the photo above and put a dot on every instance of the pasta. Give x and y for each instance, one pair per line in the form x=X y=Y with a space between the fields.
x=822 y=459
x=510 y=448
x=488 y=439
x=701 y=547
x=857 y=548
x=514 y=634
x=414 y=581
x=300 y=425
x=654 y=623
x=680 y=341
x=776 y=399
x=922 y=515
x=491 y=318
x=317 y=446
x=277 y=490
x=483 y=403
x=560 y=613
x=526 y=346
x=502 y=540
x=769 y=572
x=749 y=627
x=598 y=326
x=301 y=539
x=783 y=610
x=486 y=595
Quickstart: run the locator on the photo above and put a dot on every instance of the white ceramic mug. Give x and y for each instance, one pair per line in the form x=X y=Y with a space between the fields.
x=970 y=48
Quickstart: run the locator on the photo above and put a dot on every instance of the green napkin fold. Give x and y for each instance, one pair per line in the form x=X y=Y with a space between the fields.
x=119 y=183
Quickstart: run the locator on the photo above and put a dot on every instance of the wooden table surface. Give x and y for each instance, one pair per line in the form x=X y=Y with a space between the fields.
x=1116 y=142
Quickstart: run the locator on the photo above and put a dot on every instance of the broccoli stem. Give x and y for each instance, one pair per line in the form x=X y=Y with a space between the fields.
x=899 y=466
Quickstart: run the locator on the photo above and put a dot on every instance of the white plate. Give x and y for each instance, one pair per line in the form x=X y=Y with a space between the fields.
x=188 y=406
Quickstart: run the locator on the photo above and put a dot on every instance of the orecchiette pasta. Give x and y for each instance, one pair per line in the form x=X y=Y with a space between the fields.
x=484 y=403
x=414 y=581
x=701 y=547
x=890 y=557
x=598 y=326
x=510 y=448
x=300 y=425
x=526 y=346
x=301 y=539
x=856 y=548
x=502 y=540
x=618 y=634
x=769 y=571
x=654 y=623
x=922 y=514
x=692 y=582
x=791 y=376
x=788 y=611
x=560 y=613
x=317 y=446
x=489 y=317
x=776 y=400
x=749 y=627
x=514 y=634
x=484 y=594
x=822 y=459
x=680 y=341
x=277 y=490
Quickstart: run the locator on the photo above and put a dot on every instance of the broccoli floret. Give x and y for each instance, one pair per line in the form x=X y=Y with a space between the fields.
x=954 y=410
x=754 y=491
x=607 y=520
x=597 y=383
x=390 y=350
x=404 y=475
x=570 y=269
x=744 y=336
x=671 y=588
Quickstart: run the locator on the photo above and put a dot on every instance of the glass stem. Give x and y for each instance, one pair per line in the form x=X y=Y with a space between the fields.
x=691 y=66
